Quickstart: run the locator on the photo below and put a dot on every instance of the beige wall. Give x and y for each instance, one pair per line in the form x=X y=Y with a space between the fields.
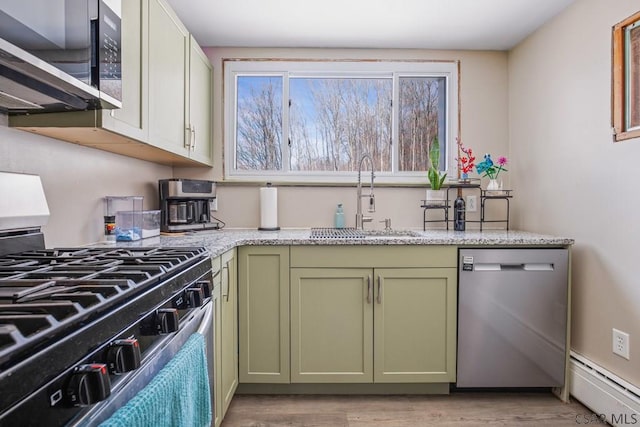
x=571 y=179
x=75 y=180
x=484 y=127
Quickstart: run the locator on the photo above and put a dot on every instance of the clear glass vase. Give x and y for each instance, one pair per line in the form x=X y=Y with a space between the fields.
x=493 y=185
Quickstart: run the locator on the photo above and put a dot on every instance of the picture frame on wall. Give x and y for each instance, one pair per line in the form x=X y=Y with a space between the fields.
x=626 y=78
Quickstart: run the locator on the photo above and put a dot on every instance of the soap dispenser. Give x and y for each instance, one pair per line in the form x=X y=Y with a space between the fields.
x=339 y=217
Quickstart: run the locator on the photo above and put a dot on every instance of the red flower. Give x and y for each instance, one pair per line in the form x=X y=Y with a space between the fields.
x=465 y=163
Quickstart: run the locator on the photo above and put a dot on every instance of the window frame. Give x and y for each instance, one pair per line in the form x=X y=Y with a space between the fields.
x=618 y=80
x=235 y=67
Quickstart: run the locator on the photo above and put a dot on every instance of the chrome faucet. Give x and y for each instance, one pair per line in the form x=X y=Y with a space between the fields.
x=360 y=218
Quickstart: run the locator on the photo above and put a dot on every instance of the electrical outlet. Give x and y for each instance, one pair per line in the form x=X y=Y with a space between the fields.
x=621 y=343
x=213 y=205
x=472 y=203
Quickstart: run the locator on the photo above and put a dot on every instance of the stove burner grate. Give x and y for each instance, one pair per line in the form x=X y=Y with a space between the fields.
x=47 y=293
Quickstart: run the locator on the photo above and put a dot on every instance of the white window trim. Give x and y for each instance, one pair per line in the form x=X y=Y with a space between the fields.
x=297 y=68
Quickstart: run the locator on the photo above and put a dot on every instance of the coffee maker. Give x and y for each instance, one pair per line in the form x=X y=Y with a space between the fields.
x=187 y=204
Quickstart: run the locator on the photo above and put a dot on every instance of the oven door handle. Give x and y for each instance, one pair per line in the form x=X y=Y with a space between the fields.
x=206 y=319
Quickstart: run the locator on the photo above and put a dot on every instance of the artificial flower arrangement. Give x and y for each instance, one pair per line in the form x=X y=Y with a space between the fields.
x=465 y=160
x=491 y=170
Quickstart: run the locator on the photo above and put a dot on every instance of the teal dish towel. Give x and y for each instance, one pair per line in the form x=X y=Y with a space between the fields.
x=177 y=396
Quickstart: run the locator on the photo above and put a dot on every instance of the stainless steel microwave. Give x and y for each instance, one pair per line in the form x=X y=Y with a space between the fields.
x=60 y=55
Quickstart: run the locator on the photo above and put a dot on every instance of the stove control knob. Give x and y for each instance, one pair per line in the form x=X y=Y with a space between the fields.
x=162 y=321
x=195 y=296
x=123 y=356
x=88 y=384
x=167 y=320
x=206 y=287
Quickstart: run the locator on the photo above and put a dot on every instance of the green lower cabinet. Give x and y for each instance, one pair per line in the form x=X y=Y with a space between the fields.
x=217 y=388
x=263 y=281
x=383 y=325
x=229 y=331
x=415 y=325
x=331 y=325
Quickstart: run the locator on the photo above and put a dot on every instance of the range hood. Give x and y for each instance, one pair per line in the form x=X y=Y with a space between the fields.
x=29 y=84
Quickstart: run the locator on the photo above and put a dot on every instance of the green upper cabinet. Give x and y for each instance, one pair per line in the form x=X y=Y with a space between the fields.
x=166 y=114
x=168 y=79
x=200 y=111
x=129 y=120
x=263 y=292
x=179 y=87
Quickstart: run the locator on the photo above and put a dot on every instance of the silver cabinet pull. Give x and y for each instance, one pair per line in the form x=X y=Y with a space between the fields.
x=368 y=289
x=379 y=289
x=226 y=294
x=187 y=138
x=193 y=137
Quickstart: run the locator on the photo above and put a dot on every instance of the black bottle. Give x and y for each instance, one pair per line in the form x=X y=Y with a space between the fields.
x=458 y=214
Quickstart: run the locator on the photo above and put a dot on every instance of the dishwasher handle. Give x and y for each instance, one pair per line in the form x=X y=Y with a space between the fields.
x=513 y=267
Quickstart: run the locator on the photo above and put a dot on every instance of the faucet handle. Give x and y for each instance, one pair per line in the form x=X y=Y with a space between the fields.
x=387 y=224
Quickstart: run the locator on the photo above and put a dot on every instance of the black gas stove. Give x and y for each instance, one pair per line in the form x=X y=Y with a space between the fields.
x=67 y=312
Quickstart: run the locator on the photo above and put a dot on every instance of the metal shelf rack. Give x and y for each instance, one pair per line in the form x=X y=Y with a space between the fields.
x=485 y=195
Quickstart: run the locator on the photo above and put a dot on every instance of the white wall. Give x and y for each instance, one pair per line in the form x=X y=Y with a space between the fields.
x=483 y=106
x=571 y=179
x=75 y=180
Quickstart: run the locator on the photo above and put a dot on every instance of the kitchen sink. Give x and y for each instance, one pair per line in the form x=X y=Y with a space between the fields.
x=391 y=233
x=352 y=233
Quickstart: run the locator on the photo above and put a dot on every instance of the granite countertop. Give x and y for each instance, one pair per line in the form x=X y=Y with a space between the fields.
x=219 y=241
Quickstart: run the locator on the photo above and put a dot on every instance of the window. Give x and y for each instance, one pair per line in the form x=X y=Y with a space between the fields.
x=259 y=123
x=334 y=120
x=626 y=78
x=311 y=121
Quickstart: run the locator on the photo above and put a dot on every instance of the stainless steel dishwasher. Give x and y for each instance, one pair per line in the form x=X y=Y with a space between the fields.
x=512 y=317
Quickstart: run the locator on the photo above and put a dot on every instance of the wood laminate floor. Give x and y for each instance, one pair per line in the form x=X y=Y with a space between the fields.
x=458 y=409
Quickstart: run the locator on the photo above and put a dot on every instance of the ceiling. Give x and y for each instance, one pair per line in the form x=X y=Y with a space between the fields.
x=430 y=24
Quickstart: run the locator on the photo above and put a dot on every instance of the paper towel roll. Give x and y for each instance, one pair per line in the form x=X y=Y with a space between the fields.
x=269 y=208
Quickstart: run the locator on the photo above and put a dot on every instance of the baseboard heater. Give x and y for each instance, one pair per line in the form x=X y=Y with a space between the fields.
x=607 y=395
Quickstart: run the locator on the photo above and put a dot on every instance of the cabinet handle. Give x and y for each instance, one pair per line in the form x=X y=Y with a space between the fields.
x=379 y=289
x=368 y=289
x=193 y=137
x=226 y=294
x=187 y=138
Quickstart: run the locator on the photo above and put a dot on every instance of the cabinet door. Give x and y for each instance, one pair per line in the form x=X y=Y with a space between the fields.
x=200 y=113
x=229 y=304
x=263 y=291
x=217 y=375
x=128 y=120
x=168 y=54
x=415 y=325
x=331 y=325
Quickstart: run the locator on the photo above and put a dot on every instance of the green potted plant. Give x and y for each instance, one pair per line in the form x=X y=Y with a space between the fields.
x=435 y=195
